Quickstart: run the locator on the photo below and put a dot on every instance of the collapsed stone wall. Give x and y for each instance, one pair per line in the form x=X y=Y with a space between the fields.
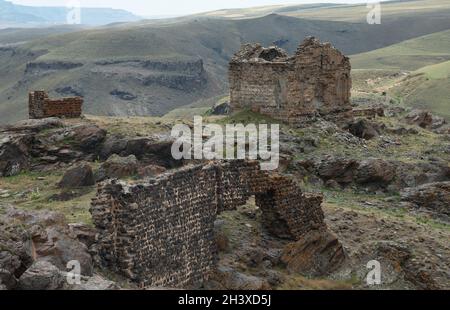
x=40 y=106
x=161 y=233
x=314 y=82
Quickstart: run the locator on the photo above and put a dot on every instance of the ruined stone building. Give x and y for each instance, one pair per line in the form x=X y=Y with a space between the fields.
x=161 y=233
x=315 y=81
x=41 y=106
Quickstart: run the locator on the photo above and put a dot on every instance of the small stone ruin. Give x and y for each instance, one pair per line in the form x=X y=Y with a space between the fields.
x=41 y=106
x=315 y=82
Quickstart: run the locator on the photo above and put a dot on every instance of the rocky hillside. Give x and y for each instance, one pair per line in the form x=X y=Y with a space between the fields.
x=385 y=183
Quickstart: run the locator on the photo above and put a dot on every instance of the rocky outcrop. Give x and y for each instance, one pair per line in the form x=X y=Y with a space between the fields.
x=35 y=247
x=316 y=254
x=221 y=108
x=118 y=167
x=425 y=119
x=433 y=197
x=48 y=144
x=14 y=154
x=373 y=174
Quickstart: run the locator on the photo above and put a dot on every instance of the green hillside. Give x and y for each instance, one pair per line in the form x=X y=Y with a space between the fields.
x=426 y=59
x=408 y=55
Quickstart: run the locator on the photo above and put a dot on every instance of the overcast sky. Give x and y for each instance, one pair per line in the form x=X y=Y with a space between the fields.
x=176 y=7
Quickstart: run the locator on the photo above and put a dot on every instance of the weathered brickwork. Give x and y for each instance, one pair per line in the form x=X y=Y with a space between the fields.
x=160 y=233
x=314 y=82
x=40 y=106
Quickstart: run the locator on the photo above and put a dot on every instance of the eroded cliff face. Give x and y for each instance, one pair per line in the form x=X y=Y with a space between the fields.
x=315 y=82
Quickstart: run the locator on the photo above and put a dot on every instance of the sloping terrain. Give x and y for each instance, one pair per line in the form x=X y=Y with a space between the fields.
x=415 y=71
x=152 y=68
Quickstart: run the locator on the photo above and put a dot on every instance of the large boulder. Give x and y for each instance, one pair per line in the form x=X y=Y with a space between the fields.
x=375 y=171
x=342 y=170
x=42 y=275
x=118 y=167
x=88 y=137
x=316 y=254
x=78 y=176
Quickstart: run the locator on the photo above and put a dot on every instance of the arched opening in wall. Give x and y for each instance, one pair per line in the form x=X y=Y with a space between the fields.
x=248 y=237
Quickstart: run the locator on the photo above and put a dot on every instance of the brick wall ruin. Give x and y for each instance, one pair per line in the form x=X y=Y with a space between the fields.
x=160 y=233
x=315 y=81
x=40 y=106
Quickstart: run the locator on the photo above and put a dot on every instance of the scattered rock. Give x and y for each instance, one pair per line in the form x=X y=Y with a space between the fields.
x=78 y=176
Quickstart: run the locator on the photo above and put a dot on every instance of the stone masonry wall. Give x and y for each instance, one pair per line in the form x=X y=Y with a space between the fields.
x=314 y=82
x=160 y=233
x=40 y=106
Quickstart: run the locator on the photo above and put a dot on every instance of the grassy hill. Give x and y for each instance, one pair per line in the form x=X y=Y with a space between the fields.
x=428 y=87
x=341 y=12
x=408 y=55
x=425 y=60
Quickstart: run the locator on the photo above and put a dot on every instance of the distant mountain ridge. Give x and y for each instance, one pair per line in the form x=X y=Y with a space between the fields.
x=19 y=15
